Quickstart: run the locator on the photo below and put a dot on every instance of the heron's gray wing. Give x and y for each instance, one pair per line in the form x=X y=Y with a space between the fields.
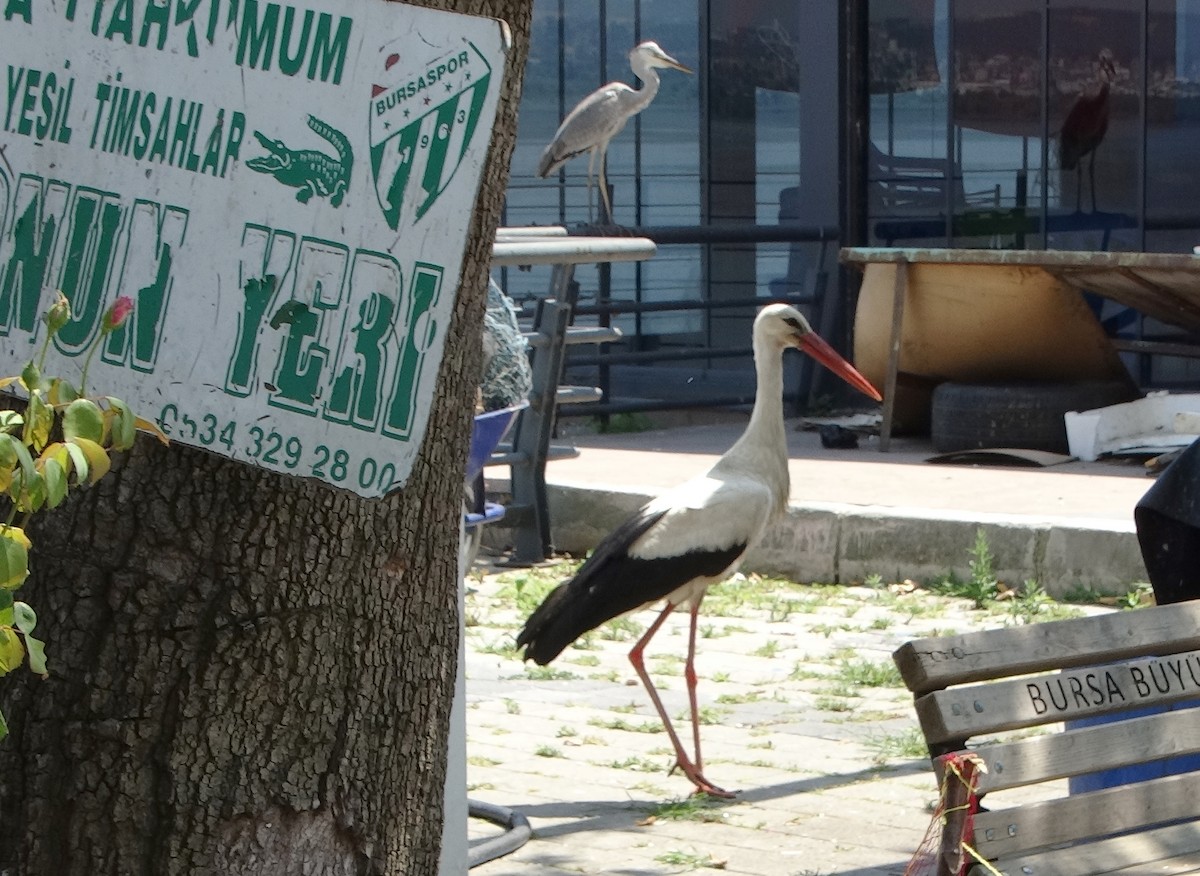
x=595 y=120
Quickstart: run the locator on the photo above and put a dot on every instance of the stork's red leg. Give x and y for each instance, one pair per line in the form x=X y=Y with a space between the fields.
x=689 y=675
x=690 y=769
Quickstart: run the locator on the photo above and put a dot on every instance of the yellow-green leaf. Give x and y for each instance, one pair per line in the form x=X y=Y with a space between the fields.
x=39 y=422
x=8 y=381
x=123 y=431
x=37 y=655
x=14 y=451
x=57 y=451
x=97 y=458
x=55 y=478
x=83 y=419
x=32 y=377
x=11 y=421
x=14 y=558
x=29 y=493
x=79 y=462
x=12 y=652
x=151 y=427
x=24 y=617
x=62 y=391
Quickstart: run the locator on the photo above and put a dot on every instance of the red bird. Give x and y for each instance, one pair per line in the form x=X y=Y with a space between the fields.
x=1085 y=127
x=693 y=536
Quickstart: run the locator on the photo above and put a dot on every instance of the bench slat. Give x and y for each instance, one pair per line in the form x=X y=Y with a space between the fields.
x=963 y=712
x=932 y=663
x=1007 y=832
x=1165 y=850
x=1088 y=749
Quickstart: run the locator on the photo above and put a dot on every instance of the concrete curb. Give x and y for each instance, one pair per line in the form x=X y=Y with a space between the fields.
x=845 y=543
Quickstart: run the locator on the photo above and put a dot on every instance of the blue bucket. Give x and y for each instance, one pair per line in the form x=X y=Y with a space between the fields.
x=489 y=430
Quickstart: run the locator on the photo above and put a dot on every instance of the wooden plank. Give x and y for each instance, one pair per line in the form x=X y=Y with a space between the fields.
x=1185 y=265
x=937 y=662
x=1173 y=867
x=1006 y=832
x=1159 y=284
x=899 y=293
x=961 y=713
x=1148 y=852
x=1088 y=749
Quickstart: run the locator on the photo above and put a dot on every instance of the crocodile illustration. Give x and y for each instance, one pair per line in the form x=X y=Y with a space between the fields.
x=310 y=171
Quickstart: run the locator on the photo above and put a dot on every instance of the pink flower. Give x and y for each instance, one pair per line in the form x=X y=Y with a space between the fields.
x=117 y=314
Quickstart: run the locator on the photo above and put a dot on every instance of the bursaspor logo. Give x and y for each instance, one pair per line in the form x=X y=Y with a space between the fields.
x=424 y=113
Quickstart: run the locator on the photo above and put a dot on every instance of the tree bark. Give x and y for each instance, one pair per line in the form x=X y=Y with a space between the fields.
x=250 y=673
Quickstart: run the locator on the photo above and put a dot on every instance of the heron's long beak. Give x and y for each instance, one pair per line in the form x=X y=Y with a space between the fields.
x=683 y=68
x=815 y=346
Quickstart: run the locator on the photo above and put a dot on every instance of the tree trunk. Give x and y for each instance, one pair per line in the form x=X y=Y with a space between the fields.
x=250 y=673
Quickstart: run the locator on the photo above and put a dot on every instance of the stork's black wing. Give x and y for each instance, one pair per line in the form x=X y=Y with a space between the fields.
x=612 y=582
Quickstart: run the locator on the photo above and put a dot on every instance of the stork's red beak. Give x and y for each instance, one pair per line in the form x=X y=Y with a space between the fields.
x=815 y=346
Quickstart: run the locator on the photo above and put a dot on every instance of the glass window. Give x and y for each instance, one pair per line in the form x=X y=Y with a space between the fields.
x=1173 y=126
x=1095 y=111
x=907 y=167
x=998 y=124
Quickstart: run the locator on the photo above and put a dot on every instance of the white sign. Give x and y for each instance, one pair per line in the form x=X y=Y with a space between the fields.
x=283 y=188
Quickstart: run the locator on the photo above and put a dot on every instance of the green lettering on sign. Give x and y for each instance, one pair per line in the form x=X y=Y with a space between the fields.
x=358 y=390
x=156 y=232
x=422 y=329
x=91 y=247
x=26 y=252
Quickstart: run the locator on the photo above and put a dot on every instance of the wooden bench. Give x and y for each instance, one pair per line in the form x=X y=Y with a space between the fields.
x=972 y=688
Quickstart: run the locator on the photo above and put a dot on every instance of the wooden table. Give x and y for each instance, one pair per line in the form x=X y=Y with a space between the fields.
x=1162 y=285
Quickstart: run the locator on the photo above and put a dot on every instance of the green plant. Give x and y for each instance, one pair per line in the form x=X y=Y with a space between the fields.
x=983 y=583
x=628 y=726
x=636 y=764
x=698 y=807
x=706 y=715
x=833 y=704
x=61 y=440
x=618 y=424
x=867 y=673
x=621 y=629
x=547 y=673
x=690 y=860
x=768 y=648
x=1138 y=595
x=527 y=588
x=907 y=744
x=1034 y=604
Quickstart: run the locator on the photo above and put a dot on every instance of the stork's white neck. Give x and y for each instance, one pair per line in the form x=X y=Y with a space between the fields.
x=762 y=449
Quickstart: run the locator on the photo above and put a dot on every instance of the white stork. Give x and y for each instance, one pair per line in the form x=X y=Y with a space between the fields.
x=693 y=536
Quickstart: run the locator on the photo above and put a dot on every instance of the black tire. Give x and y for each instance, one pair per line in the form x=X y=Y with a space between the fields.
x=1024 y=415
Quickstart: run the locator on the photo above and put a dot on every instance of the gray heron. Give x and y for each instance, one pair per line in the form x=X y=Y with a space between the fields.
x=602 y=114
x=694 y=535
